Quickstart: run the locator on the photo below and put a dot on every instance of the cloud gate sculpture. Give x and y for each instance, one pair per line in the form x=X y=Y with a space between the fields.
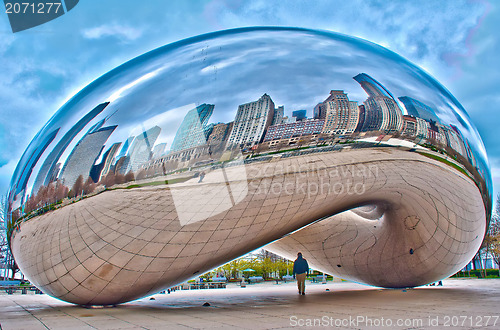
x=203 y=150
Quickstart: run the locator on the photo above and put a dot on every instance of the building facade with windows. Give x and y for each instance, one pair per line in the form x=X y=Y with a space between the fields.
x=383 y=112
x=193 y=130
x=341 y=114
x=251 y=122
x=300 y=128
x=84 y=155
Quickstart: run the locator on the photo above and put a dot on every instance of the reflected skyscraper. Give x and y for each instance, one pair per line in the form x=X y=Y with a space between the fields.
x=422 y=128
x=382 y=111
x=341 y=115
x=103 y=168
x=279 y=113
x=361 y=119
x=453 y=140
x=49 y=165
x=122 y=165
x=470 y=155
x=193 y=130
x=373 y=117
x=416 y=108
x=251 y=122
x=55 y=172
x=319 y=111
x=124 y=149
x=372 y=87
x=141 y=150
x=409 y=126
x=299 y=115
x=219 y=133
x=85 y=153
x=159 y=150
x=464 y=149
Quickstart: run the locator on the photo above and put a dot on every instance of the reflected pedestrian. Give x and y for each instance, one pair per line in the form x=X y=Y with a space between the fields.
x=300 y=271
x=202 y=175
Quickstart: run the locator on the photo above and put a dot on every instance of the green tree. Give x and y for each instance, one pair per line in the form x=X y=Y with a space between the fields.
x=232 y=269
x=495 y=250
x=268 y=267
x=492 y=238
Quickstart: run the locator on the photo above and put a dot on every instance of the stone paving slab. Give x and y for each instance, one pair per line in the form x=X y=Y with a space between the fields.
x=460 y=303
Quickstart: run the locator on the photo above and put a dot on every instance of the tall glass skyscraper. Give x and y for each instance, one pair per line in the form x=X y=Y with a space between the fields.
x=192 y=132
x=141 y=150
x=299 y=114
x=84 y=155
x=418 y=109
x=49 y=165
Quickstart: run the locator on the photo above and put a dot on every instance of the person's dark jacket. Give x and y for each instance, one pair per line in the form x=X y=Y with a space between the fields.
x=300 y=266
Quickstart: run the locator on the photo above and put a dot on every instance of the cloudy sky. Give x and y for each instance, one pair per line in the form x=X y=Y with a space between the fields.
x=455 y=41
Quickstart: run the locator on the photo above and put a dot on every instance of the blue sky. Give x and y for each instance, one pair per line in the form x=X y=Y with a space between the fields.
x=455 y=41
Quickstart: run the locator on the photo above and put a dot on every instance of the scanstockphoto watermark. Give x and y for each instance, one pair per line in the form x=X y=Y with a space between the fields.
x=311 y=180
x=438 y=321
x=355 y=321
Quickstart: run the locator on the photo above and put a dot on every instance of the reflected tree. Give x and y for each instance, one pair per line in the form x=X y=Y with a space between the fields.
x=109 y=180
x=88 y=186
x=129 y=176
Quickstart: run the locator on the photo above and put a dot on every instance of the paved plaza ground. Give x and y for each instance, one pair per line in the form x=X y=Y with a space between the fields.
x=460 y=303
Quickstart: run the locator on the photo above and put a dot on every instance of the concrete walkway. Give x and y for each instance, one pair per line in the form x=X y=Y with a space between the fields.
x=460 y=303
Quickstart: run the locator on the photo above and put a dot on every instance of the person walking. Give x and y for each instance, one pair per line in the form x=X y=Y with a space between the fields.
x=300 y=270
x=202 y=175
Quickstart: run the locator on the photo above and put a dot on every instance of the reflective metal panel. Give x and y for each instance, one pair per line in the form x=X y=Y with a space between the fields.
x=205 y=149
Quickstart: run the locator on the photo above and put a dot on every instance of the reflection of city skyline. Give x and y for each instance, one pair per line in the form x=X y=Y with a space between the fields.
x=258 y=125
x=260 y=134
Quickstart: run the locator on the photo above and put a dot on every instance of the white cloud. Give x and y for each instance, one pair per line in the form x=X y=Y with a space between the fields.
x=5 y=41
x=431 y=32
x=121 y=92
x=123 y=32
x=5 y=175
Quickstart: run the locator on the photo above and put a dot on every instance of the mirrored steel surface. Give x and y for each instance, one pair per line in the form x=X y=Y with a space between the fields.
x=200 y=151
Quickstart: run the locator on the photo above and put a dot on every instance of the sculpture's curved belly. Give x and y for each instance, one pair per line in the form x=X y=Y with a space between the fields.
x=414 y=220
